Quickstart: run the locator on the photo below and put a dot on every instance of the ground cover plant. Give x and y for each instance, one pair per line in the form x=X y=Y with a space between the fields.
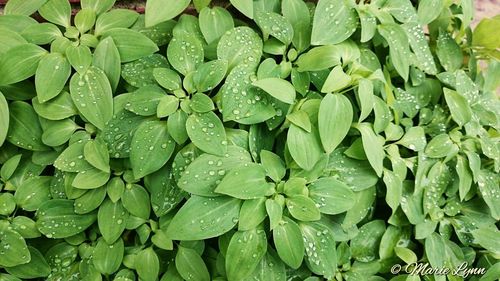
x=254 y=140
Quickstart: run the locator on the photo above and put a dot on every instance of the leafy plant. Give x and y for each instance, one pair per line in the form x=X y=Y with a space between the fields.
x=259 y=140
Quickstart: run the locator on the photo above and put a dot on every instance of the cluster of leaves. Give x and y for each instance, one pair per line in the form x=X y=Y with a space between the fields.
x=297 y=141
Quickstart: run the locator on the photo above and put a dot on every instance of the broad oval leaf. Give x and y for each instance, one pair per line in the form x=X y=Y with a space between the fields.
x=54 y=68
x=151 y=148
x=92 y=95
x=209 y=75
x=190 y=265
x=304 y=147
x=33 y=192
x=277 y=88
x=107 y=258
x=275 y=25
x=185 y=53
x=207 y=132
x=334 y=120
x=244 y=253
x=20 y=63
x=203 y=218
x=14 y=249
x=288 y=241
x=320 y=248
x=240 y=45
x=331 y=195
x=147 y=264
x=459 y=107
x=25 y=130
x=57 y=11
x=111 y=219
x=246 y=182
x=136 y=200
x=4 y=118
x=214 y=22
x=57 y=219
x=334 y=21
x=156 y=12
x=131 y=44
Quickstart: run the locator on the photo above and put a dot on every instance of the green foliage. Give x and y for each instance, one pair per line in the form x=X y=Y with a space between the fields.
x=258 y=140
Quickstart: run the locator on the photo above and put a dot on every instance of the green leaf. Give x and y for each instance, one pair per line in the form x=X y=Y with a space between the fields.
x=136 y=200
x=275 y=25
x=435 y=250
x=111 y=219
x=398 y=47
x=244 y=253
x=334 y=22
x=297 y=13
x=364 y=246
x=20 y=63
x=7 y=204
x=176 y=124
x=278 y=88
x=429 y=10
x=269 y=268
x=274 y=211
x=414 y=139
x=487 y=238
x=37 y=267
x=206 y=131
x=167 y=78
x=147 y=264
x=240 y=45
x=33 y=192
x=165 y=194
x=459 y=107
x=15 y=251
x=25 y=129
x=252 y=213
x=274 y=166
x=373 y=146
x=334 y=120
x=156 y=12
x=107 y=58
x=131 y=44
x=320 y=248
x=190 y=265
x=304 y=147
x=250 y=181
x=201 y=103
x=4 y=118
x=72 y=160
x=107 y=258
x=90 y=200
x=214 y=22
x=79 y=57
x=54 y=68
x=336 y=80
x=23 y=7
x=41 y=34
x=92 y=95
x=440 y=146
x=448 y=52
x=244 y=6
x=99 y=6
x=331 y=195
x=302 y=208
x=96 y=153
x=288 y=241
x=202 y=218
x=481 y=35
x=420 y=46
x=488 y=186
x=151 y=148
x=209 y=75
x=115 y=18
x=57 y=11
x=57 y=219
x=319 y=58
x=185 y=53
x=140 y=73
x=199 y=180
x=368 y=24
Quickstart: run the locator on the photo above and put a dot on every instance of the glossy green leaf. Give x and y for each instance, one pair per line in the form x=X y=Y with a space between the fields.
x=20 y=7
x=4 y=117
x=373 y=147
x=244 y=253
x=190 y=265
x=249 y=180
x=331 y=195
x=320 y=248
x=136 y=200
x=15 y=250
x=288 y=241
x=54 y=68
x=185 y=53
x=214 y=22
x=131 y=44
x=240 y=45
x=37 y=267
x=25 y=129
x=20 y=63
x=244 y=6
x=202 y=218
x=252 y=213
x=207 y=132
x=297 y=13
x=147 y=264
x=334 y=22
x=334 y=120
x=108 y=257
x=156 y=12
x=449 y=53
x=398 y=47
x=459 y=108
x=107 y=58
x=111 y=219
x=33 y=192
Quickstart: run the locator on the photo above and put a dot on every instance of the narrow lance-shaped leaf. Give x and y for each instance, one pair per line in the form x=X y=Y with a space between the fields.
x=4 y=118
x=20 y=63
x=398 y=47
x=288 y=241
x=373 y=147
